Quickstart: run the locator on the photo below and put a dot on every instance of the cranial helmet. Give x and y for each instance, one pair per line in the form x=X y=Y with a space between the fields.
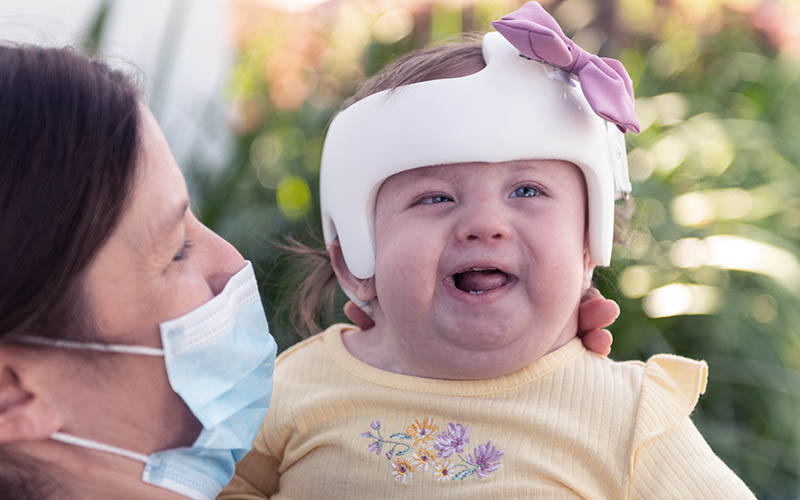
x=513 y=109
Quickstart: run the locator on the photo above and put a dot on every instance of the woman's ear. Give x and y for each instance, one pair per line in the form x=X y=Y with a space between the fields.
x=26 y=414
x=364 y=289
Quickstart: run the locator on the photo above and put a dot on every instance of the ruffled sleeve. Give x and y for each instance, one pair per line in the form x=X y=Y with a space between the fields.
x=669 y=459
x=670 y=389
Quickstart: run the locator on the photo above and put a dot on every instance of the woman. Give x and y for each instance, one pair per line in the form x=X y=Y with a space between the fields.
x=135 y=360
x=99 y=251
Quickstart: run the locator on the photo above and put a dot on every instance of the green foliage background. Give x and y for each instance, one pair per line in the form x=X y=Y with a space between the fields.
x=716 y=173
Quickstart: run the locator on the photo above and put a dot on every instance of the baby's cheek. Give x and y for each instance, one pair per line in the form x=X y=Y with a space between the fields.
x=402 y=278
x=561 y=273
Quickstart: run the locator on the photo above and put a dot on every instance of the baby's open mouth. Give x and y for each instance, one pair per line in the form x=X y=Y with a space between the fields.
x=480 y=280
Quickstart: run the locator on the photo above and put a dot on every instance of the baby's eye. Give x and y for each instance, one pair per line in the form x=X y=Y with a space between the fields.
x=525 y=192
x=434 y=199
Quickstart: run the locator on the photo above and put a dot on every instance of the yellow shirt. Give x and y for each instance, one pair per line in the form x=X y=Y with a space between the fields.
x=571 y=425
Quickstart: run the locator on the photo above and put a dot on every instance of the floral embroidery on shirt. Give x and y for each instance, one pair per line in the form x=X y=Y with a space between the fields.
x=422 y=430
x=442 y=470
x=402 y=470
x=423 y=458
x=410 y=451
x=487 y=459
x=454 y=440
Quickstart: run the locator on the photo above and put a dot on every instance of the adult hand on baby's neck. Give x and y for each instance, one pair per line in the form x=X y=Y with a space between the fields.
x=594 y=315
x=358 y=316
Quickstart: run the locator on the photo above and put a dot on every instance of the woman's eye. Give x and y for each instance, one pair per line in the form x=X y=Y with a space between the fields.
x=434 y=199
x=183 y=253
x=525 y=192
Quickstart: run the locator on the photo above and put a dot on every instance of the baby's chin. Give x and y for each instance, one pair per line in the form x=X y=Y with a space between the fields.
x=492 y=350
x=481 y=334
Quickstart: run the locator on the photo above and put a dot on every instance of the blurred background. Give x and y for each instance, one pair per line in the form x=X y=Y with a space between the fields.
x=711 y=267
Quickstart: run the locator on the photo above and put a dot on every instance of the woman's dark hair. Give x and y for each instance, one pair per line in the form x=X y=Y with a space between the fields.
x=69 y=140
x=69 y=136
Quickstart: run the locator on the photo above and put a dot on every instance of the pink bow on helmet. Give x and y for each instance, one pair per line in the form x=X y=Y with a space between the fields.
x=605 y=83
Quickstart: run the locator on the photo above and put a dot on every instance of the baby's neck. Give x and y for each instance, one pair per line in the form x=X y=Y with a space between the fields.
x=386 y=350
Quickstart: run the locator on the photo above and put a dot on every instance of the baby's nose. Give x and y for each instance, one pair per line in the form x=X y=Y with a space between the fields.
x=483 y=224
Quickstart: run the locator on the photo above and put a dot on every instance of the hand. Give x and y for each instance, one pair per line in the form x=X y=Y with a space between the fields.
x=595 y=313
x=360 y=318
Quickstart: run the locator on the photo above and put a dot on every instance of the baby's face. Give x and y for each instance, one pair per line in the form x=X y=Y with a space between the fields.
x=480 y=266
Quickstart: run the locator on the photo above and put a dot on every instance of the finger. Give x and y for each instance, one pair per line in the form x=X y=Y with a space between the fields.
x=358 y=316
x=591 y=293
x=596 y=313
x=598 y=341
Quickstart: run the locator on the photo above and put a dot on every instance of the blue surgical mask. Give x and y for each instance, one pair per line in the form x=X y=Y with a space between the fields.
x=219 y=359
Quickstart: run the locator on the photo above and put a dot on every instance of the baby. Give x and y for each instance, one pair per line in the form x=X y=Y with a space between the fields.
x=467 y=196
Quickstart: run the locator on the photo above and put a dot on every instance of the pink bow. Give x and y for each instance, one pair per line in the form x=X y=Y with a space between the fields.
x=606 y=84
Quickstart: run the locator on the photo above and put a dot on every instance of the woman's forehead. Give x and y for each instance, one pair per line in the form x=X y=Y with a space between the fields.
x=160 y=198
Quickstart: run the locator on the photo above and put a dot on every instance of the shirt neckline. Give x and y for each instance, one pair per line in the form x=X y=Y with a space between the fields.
x=335 y=348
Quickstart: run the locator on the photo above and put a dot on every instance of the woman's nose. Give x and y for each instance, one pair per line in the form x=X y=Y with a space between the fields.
x=483 y=222
x=222 y=261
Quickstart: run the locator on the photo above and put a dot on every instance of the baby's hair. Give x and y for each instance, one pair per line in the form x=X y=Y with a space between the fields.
x=315 y=295
x=451 y=60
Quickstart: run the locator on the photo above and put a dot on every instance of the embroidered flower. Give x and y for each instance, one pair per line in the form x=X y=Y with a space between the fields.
x=487 y=459
x=442 y=470
x=407 y=453
x=374 y=446
x=422 y=430
x=452 y=441
x=402 y=470
x=423 y=458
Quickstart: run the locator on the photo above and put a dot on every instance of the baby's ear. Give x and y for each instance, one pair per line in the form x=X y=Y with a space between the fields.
x=363 y=288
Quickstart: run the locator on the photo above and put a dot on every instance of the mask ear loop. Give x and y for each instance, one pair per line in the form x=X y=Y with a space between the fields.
x=95 y=445
x=91 y=346
x=94 y=346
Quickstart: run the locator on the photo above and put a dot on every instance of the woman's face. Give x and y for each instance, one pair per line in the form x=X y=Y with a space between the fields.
x=159 y=263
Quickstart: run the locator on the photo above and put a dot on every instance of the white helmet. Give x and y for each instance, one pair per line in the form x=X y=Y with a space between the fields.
x=513 y=109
